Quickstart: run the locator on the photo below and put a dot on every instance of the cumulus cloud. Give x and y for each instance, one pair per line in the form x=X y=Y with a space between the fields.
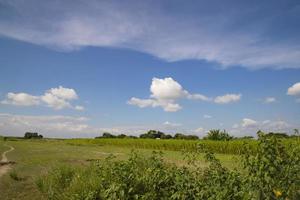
x=294 y=90
x=63 y=93
x=56 y=98
x=227 y=98
x=210 y=33
x=21 y=99
x=269 y=100
x=164 y=93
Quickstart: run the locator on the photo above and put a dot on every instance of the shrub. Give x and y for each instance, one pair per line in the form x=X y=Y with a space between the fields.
x=273 y=172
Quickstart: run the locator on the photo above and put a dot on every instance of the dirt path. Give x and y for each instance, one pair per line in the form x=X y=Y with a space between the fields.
x=4 y=163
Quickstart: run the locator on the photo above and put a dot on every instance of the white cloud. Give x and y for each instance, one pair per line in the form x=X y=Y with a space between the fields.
x=269 y=100
x=227 y=98
x=63 y=93
x=294 y=89
x=207 y=116
x=164 y=93
x=20 y=99
x=166 y=88
x=148 y=27
x=167 y=105
x=55 y=102
x=56 y=98
x=246 y=122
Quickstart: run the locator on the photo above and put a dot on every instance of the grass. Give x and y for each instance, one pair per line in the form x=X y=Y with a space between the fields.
x=35 y=157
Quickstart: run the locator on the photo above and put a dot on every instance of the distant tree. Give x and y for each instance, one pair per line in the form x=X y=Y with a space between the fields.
x=166 y=136
x=217 y=134
x=296 y=131
x=108 y=135
x=121 y=136
x=192 y=137
x=153 y=134
x=30 y=135
x=181 y=136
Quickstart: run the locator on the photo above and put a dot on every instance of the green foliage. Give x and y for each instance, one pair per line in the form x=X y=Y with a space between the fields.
x=30 y=135
x=217 y=134
x=273 y=172
x=273 y=169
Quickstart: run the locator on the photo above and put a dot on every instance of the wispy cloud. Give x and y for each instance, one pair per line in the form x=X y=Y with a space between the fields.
x=270 y=100
x=238 y=34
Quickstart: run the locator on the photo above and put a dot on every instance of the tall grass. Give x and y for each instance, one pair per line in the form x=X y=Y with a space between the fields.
x=223 y=147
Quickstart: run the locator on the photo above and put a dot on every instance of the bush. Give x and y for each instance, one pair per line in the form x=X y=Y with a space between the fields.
x=273 y=172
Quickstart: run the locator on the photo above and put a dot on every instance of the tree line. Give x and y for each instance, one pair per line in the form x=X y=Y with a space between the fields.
x=214 y=134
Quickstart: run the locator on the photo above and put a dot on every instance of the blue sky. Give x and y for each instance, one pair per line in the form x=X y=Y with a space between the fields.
x=78 y=69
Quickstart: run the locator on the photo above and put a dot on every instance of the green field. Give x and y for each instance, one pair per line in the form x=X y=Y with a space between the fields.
x=35 y=157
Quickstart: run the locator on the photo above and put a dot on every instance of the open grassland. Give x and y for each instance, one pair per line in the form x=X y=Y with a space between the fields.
x=36 y=157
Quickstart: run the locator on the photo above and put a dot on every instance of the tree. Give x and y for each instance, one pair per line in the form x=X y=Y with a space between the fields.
x=30 y=135
x=108 y=135
x=181 y=136
x=153 y=134
x=217 y=134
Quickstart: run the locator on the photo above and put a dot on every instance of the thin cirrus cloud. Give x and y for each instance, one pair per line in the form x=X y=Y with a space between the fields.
x=166 y=92
x=56 y=98
x=230 y=33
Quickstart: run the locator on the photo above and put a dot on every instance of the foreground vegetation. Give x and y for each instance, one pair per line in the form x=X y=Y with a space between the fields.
x=43 y=163
x=273 y=172
x=35 y=157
